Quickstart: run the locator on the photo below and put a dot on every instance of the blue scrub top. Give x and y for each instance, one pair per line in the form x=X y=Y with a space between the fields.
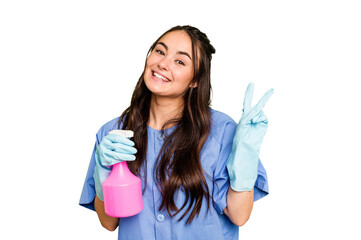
x=151 y=223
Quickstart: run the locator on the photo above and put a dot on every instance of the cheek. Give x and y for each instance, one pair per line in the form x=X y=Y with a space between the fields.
x=148 y=65
x=151 y=59
x=186 y=77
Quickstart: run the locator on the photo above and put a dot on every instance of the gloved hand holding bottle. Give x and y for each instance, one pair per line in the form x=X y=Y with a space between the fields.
x=242 y=164
x=113 y=149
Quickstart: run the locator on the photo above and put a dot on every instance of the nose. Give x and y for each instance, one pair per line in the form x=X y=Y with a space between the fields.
x=164 y=64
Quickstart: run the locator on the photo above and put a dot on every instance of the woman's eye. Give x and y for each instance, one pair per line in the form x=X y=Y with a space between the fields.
x=180 y=62
x=159 y=51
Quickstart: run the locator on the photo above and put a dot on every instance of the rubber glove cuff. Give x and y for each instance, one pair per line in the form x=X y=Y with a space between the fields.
x=100 y=175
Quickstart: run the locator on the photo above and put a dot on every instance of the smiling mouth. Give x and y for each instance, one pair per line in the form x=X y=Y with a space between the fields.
x=160 y=77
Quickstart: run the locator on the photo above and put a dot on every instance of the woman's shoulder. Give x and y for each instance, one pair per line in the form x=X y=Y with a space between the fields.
x=218 y=117
x=221 y=122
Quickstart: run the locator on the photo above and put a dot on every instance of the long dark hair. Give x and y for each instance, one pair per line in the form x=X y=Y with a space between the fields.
x=178 y=165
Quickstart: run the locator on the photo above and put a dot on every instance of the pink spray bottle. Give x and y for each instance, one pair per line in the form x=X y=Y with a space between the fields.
x=122 y=190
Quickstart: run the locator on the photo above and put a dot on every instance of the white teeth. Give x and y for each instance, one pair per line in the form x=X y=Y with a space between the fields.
x=160 y=77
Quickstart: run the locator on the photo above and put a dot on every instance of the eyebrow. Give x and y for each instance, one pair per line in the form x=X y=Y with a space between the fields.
x=178 y=52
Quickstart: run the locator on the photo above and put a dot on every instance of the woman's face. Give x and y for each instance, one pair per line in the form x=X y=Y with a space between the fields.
x=169 y=67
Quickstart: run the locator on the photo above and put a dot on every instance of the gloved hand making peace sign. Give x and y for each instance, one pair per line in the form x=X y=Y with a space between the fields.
x=242 y=163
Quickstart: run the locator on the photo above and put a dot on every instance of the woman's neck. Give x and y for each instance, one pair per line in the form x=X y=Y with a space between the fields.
x=163 y=109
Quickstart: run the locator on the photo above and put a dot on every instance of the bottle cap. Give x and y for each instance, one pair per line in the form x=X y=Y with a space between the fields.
x=124 y=133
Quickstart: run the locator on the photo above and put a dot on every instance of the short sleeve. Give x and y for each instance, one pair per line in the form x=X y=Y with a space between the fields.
x=261 y=185
x=88 y=192
x=221 y=178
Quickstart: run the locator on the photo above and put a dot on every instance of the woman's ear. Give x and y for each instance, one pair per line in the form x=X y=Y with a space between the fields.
x=193 y=85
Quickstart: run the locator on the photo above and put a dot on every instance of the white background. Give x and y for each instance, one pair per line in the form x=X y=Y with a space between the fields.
x=67 y=67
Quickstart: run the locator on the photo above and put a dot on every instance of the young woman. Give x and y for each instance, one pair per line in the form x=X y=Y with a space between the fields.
x=200 y=171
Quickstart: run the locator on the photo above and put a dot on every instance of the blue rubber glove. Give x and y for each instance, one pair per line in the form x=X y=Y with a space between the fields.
x=242 y=164
x=113 y=149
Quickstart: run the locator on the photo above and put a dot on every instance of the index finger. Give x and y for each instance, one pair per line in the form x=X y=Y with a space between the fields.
x=116 y=138
x=261 y=103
